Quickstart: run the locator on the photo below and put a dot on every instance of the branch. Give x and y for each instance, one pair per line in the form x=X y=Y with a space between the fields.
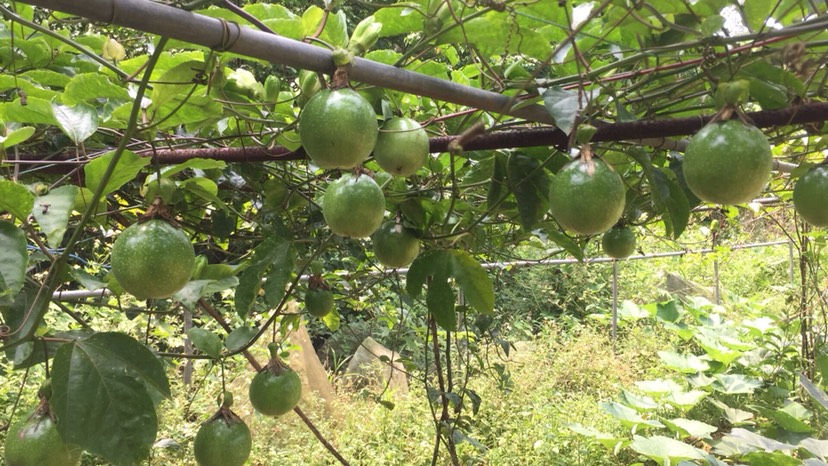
x=646 y=132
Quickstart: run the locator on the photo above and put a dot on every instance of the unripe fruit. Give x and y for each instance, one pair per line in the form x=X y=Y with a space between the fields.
x=619 y=242
x=353 y=206
x=587 y=203
x=395 y=245
x=402 y=147
x=338 y=128
x=727 y=162
x=810 y=196
x=152 y=259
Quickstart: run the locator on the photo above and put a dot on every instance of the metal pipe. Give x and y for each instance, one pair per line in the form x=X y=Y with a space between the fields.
x=221 y=35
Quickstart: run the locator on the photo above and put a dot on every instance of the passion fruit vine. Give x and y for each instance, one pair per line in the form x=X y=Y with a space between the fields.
x=338 y=128
x=152 y=259
x=353 y=206
x=727 y=162
x=587 y=200
x=810 y=196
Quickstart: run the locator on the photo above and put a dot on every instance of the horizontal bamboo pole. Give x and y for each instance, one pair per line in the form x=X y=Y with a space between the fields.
x=216 y=34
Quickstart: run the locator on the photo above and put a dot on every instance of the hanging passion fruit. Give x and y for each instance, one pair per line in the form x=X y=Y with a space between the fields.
x=587 y=201
x=727 y=162
x=618 y=242
x=276 y=389
x=224 y=439
x=35 y=441
x=402 y=147
x=353 y=206
x=338 y=128
x=395 y=245
x=152 y=259
x=810 y=196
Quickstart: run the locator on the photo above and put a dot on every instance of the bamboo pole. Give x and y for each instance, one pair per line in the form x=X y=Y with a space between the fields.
x=221 y=35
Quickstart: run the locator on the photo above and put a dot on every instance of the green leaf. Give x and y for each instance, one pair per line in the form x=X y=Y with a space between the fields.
x=530 y=184
x=281 y=271
x=176 y=82
x=669 y=198
x=554 y=233
x=25 y=313
x=792 y=417
x=684 y=363
x=756 y=13
x=36 y=111
x=239 y=337
x=129 y=165
x=89 y=87
x=685 y=400
x=250 y=282
x=563 y=106
x=440 y=301
x=193 y=164
x=16 y=199
x=101 y=392
x=16 y=137
x=86 y=280
x=79 y=122
x=473 y=280
x=658 y=386
x=52 y=212
x=667 y=311
x=610 y=442
x=690 y=428
x=13 y=259
x=640 y=403
x=741 y=441
x=712 y=24
x=206 y=341
x=763 y=458
x=664 y=450
x=732 y=384
x=397 y=19
x=816 y=393
x=628 y=416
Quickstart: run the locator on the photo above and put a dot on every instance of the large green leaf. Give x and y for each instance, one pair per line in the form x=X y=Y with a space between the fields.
x=816 y=393
x=273 y=251
x=36 y=111
x=564 y=107
x=685 y=363
x=281 y=271
x=439 y=266
x=129 y=165
x=690 y=427
x=530 y=184
x=15 y=198
x=52 y=212
x=13 y=259
x=16 y=137
x=206 y=341
x=628 y=416
x=664 y=450
x=89 y=87
x=176 y=82
x=735 y=384
x=102 y=389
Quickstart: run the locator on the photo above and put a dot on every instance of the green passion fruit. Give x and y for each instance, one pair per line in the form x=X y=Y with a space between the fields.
x=727 y=162
x=35 y=441
x=338 y=128
x=353 y=206
x=587 y=203
x=618 y=242
x=810 y=196
x=275 y=390
x=395 y=245
x=223 y=441
x=402 y=147
x=319 y=301
x=152 y=259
